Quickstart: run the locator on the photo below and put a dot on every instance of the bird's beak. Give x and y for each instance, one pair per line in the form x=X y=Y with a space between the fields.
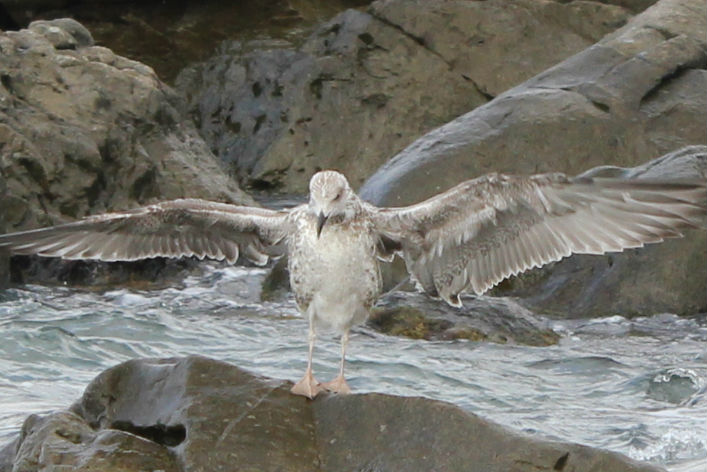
x=321 y=220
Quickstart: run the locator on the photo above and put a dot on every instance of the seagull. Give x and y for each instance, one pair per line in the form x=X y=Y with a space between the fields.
x=466 y=239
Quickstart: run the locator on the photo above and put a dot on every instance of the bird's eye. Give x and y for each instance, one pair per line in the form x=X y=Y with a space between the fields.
x=338 y=196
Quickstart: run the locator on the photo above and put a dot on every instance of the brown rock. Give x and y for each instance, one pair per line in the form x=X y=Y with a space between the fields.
x=208 y=415
x=500 y=320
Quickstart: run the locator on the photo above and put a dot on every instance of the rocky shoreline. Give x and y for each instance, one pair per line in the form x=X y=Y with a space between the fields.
x=407 y=98
x=197 y=414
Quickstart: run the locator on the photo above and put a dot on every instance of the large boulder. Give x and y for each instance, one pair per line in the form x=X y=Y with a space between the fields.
x=639 y=93
x=666 y=277
x=197 y=414
x=366 y=84
x=85 y=131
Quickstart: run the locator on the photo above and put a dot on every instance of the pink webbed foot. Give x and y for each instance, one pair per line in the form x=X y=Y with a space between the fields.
x=308 y=386
x=338 y=385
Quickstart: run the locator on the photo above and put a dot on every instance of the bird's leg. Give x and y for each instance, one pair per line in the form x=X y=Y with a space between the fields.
x=339 y=385
x=308 y=386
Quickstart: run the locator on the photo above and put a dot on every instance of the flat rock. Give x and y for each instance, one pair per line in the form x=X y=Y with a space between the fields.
x=366 y=84
x=198 y=414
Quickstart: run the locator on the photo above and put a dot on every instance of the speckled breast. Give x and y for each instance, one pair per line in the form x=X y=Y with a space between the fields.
x=340 y=264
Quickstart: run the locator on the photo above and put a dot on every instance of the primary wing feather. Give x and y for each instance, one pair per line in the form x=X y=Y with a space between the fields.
x=186 y=227
x=487 y=229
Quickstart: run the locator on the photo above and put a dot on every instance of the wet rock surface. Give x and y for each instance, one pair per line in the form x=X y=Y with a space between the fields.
x=199 y=414
x=365 y=84
x=500 y=320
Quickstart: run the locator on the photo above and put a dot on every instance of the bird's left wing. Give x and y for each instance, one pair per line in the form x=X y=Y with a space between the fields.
x=186 y=227
x=484 y=230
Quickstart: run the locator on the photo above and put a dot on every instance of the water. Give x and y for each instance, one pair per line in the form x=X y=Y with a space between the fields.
x=634 y=386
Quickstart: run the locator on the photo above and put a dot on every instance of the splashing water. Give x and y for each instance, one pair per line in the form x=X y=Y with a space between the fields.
x=634 y=386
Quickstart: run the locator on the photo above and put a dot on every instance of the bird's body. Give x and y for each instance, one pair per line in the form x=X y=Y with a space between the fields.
x=336 y=274
x=468 y=238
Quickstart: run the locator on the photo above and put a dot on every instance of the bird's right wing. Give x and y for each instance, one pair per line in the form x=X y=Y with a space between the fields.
x=484 y=230
x=186 y=227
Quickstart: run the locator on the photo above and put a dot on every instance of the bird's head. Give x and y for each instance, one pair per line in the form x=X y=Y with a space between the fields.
x=331 y=197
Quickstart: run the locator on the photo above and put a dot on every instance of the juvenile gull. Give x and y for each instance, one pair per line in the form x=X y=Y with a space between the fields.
x=468 y=238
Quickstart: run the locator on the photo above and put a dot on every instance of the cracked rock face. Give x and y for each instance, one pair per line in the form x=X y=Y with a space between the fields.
x=198 y=414
x=366 y=84
x=85 y=131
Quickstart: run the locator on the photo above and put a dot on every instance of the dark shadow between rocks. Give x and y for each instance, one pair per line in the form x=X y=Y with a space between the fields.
x=169 y=436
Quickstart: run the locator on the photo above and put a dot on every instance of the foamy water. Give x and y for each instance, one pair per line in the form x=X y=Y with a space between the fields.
x=633 y=386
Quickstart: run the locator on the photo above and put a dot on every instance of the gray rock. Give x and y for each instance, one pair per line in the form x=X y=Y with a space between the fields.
x=366 y=84
x=85 y=131
x=640 y=92
x=63 y=33
x=201 y=414
x=666 y=277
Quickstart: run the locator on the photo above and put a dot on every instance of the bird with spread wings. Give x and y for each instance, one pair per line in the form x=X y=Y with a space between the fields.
x=468 y=238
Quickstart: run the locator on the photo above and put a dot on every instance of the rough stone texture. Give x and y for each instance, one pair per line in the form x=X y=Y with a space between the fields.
x=639 y=93
x=206 y=415
x=84 y=131
x=499 y=320
x=367 y=83
x=63 y=441
x=171 y=35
